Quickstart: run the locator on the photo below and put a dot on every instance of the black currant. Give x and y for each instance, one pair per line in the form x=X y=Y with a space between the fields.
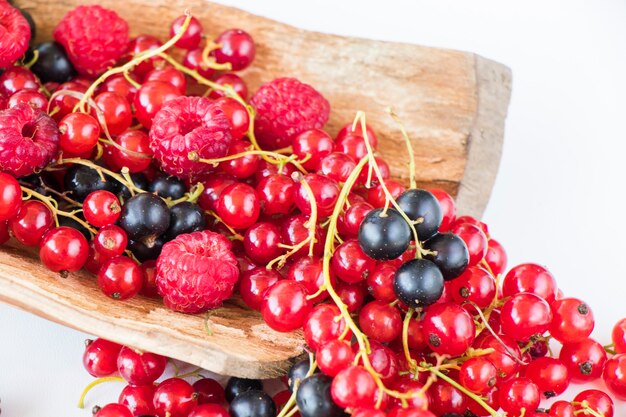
x=140 y=181
x=144 y=215
x=418 y=283
x=53 y=63
x=384 y=235
x=423 y=207
x=81 y=180
x=254 y=403
x=146 y=249
x=298 y=372
x=313 y=397
x=451 y=255
x=168 y=186
x=185 y=217
x=236 y=386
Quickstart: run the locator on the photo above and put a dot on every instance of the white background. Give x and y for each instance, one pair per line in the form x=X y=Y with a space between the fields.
x=559 y=196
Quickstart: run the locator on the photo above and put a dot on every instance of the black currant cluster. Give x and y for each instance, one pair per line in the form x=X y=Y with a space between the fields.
x=147 y=219
x=313 y=392
x=247 y=398
x=385 y=234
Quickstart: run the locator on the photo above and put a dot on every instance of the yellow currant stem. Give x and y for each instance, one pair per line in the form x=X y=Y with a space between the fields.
x=317 y=293
x=56 y=212
x=277 y=158
x=143 y=56
x=409 y=147
x=586 y=409
x=292 y=400
x=360 y=117
x=81 y=400
x=122 y=149
x=102 y=171
x=236 y=235
x=195 y=372
x=33 y=60
x=473 y=396
x=405 y=339
x=192 y=196
x=130 y=80
x=473 y=353
x=210 y=62
x=312 y=222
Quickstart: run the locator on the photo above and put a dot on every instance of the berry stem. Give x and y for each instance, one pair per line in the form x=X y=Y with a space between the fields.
x=409 y=146
x=81 y=400
x=292 y=399
x=133 y=62
x=405 y=339
x=278 y=158
x=235 y=235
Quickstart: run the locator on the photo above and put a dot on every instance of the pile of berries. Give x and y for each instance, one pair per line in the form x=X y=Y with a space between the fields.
x=163 y=178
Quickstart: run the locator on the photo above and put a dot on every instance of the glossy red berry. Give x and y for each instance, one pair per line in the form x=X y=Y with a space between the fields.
x=376 y=196
x=496 y=257
x=530 y=278
x=352 y=145
x=323 y=325
x=209 y=391
x=444 y=398
x=519 y=394
x=63 y=249
x=350 y=263
x=448 y=208
x=309 y=272
x=10 y=197
x=295 y=229
x=334 y=356
x=261 y=242
x=352 y=295
x=561 y=409
x=506 y=356
x=244 y=166
x=595 y=400
x=192 y=36
x=138 y=399
x=120 y=278
x=213 y=187
x=210 y=410
x=354 y=387
x=115 y=110
x=132 y=151
x=584 y=359
x=238 y=206
x=140 y=368
x=618 y=336
x=337 y=166
x=150 y=98
x=33 y=98
x=110 y=241
x=474 y=239
x=325 y=193
x=380 y=282
x=448 y=329
x=174 y=397
x=32 y=221
x=101 y=208
x=380 y=321
x=311 y=146
x=254 y=283
x=113 y=410
x=572 y=320
x=79 y=133
x=236 y=47
x=349 y=221
x=233 y=80
x=194 y=61
x=17 y=78
x=120 y=85
x=478 y=375
x=276 y=194
x=549 y=374
x=100 y=357
x=285 y=306
x=475 y=285
x=237 y=115
x=614 y=376
x=525 y=315
x=141 y=44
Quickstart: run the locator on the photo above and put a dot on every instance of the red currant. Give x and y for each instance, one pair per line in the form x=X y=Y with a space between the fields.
x=138 y=399
x=10 y=197
x=349 y=221
x=232 y=80
x=254 y=283
x=448 y=329
x=312 y=145
x=475 y=285
x=211 y=410
x=448 y=207
x=149 y=287
x=33 y=98
x=79 y=133
x=525 y=315
x=354 y=387
x=244 y=166
x=261 y=242
x=209 y=391
x=150 y=98
x=519 y=394
x=213 y=187
x=309 y=272
x=143 y=43
x=572 y=320
x=474 y=239
x=236 y=47
x=584 y=359
x=380 y=321
x=334 y=356
x=120 y=278
x=101 y=208
x=237 y=115
x=276 y=194
x=323 y=325
x=17 y=78
x=192 y=36
x=133 y=151
x=174 y=397
x=63 y=249
x=100 y=357
x=380 y=282
x=325 y=193
x=505 y=357
x=285 y=306
x=496 y=257
x=549 y=374
x=347 y=129
x=115 y=110
x=113 y=410
x=478 y=375
x=561 y=409
x=595 y=400
x=120 y=85
x=352 y=295
x=444 y=398
x=614 y=376
x=140 y=368
x=32 y=221
x=110 y=241
x=337 y=166
x=530 y=278
x=618 y=336
x=238 y=206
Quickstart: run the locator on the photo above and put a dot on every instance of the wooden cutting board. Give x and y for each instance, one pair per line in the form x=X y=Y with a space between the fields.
x=453 y=104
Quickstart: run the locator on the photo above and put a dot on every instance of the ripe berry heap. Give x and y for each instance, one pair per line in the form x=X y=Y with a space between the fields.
x=162 y=179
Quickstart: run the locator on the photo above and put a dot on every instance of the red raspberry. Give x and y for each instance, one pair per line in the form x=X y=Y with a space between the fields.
x=14 y=34
x=286 y=107
x=196 y=272
x=29 y=139
x=94 y=38
x=187 y=124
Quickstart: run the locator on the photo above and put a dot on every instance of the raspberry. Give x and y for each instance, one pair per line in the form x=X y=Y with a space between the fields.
x=14 y=34
x=286 y=107
x=29 y=139
x=94 y=38
x=196 y=272
x=187 y=124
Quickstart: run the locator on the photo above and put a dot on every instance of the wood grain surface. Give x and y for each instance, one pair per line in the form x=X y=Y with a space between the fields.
x=453 y=104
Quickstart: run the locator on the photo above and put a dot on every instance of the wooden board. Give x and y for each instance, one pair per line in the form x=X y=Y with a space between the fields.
x=453 y=104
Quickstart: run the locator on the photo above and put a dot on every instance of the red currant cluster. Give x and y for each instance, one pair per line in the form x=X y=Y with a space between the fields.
x=209 y=191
